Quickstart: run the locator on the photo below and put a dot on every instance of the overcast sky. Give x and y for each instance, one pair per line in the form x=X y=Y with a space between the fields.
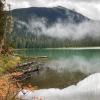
x=89 y=8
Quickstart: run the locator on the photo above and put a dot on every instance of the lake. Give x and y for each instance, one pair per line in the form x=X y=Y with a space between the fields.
x=64 y=66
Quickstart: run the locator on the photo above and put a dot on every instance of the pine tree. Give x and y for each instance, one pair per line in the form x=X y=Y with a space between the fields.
x=2 y=23
x=6 y=26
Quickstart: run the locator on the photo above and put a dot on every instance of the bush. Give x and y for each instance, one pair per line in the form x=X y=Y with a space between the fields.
x=7 y=62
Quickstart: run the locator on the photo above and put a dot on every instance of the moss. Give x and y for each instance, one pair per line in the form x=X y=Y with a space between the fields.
x=7 y=62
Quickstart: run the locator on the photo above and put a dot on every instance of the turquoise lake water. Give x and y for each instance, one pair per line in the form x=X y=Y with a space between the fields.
x=66 y=66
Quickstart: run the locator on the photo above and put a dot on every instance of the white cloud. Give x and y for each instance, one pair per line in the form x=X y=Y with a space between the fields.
x=86 y=0
x=90 y=8
x=64 y=30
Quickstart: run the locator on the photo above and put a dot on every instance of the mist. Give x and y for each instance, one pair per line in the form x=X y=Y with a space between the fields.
x=65 y=30
x=87 y=89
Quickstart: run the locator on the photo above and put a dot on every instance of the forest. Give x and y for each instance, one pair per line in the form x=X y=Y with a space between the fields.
x=25 y=37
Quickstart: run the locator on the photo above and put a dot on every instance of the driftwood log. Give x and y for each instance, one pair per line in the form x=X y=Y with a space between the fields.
x=27 y=69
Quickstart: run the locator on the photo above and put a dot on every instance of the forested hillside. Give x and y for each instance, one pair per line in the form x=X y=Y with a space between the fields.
x=32 y=27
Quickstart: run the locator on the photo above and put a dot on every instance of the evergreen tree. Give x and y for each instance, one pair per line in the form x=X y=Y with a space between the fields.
x=2 y=23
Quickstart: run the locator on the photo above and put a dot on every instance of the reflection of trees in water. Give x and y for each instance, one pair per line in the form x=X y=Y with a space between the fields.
x=48 y=78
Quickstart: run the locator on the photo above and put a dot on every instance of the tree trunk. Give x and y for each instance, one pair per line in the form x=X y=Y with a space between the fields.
x=1 y=45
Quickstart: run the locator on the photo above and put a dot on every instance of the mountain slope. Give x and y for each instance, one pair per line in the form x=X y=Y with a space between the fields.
x=52 y=14
x=26 y=35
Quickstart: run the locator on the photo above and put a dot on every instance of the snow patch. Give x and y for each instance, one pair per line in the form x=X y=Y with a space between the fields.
x=87 y=89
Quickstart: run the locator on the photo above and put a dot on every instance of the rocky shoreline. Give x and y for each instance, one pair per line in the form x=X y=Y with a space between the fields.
x=11 y=82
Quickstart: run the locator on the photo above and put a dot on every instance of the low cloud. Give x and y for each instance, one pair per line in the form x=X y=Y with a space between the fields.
x=65 y=30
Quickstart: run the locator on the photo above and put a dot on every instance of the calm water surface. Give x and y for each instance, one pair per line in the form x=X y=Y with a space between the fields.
x=60 y=53
x=66 y=66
